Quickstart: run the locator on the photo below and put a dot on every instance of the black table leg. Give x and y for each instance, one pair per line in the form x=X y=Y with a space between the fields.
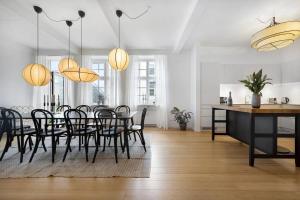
x=297 y=140
x=213 y=124
x=252 y=141
x=126 y=137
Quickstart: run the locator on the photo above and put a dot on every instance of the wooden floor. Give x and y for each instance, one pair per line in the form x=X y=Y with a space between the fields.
x=185 y=165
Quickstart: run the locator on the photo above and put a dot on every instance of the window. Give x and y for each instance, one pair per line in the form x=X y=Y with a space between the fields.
x=146 y=90
x=99 y=86
x=58 y=86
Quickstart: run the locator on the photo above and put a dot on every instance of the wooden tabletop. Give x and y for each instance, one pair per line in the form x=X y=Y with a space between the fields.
x=265 y=108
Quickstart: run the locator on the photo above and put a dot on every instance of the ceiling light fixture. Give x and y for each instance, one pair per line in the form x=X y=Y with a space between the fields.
x=118 y=58
x=37 y=74
x=81 y=74
x=276 y=35
x=67 y=63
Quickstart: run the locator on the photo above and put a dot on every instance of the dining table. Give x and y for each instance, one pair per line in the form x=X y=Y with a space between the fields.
x=122 y=116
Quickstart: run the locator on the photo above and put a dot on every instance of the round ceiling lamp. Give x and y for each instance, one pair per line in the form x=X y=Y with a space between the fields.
x=276 y=36
x=37 y=74
x=67 y=63
x=77 y=73
x=118 y=58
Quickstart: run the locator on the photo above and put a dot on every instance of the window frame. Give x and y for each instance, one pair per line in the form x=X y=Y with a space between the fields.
x=103 y=61
x=147 y=78
x=51 y=59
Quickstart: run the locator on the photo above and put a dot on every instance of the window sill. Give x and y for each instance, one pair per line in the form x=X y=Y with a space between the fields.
x=148 y=106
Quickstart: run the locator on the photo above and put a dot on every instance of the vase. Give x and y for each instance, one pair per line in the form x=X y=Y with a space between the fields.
x=182 y=126
x=255 y=101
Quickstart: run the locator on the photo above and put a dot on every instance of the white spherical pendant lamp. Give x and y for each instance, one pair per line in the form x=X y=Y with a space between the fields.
x=66 y=63
x=118 y=59
x=37 y=74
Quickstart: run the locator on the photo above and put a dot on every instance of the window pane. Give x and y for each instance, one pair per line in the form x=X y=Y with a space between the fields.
x=101 y=66
x=142 y=91
x=54 y=65
x=143 y=73
x=151 y=92
x=143 y=65
x=101 y=83
x=152 y=84
x=143 y=83
x=101 y=73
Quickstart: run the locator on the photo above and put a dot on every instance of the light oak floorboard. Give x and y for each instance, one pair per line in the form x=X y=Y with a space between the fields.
x=185 y=165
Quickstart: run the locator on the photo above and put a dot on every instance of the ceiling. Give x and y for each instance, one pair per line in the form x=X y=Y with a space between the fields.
x=169 y=25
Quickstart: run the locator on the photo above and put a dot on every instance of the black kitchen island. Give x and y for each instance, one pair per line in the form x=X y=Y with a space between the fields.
x=259 y=129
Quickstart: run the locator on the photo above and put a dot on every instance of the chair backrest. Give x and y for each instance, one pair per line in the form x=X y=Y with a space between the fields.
x=99 y=107
x=84 y=108
x=122 y=108
x=63 y=108
x=76 y=121
x=43 y=121
x=2 y=127
x=106 y=120
x=12 y=121
x=143 y=117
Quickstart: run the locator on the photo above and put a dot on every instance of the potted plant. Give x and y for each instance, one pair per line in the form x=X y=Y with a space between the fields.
x=182 y=117
x=256 y=82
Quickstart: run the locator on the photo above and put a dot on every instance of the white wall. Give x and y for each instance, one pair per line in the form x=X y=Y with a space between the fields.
x=13 y=58
x=179 y=77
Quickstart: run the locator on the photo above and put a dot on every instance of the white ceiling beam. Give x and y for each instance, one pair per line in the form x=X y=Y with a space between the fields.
x=27 y=14
x=189 y=24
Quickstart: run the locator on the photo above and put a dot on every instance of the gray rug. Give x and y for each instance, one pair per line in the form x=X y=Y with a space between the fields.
x=138 y=166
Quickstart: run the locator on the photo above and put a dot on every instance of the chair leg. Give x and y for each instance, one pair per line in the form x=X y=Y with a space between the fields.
x=53 y=142
x=122 y=145
x=80 y=142
x=5 y=148
x=86 y=145
x=109 y=141
x=43 y=143
x=104 y=144
x=134 y=136
x=19 y=146
x=22 y=148
x=116 y=148
x=35 y=148
x=143 y=140
x=68 y=147
x=96 y=150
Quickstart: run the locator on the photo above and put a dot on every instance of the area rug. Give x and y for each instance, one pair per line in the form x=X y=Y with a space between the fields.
x=138 y=166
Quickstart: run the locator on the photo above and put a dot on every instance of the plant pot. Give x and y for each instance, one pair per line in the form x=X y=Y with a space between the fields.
x=182 y=126
x=255 y=101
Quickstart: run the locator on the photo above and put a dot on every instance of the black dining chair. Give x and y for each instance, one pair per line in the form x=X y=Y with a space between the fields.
x=13 y=126
x=106 y=124
x=124 y=109
x=76 y=123
x=139 y=128
x=84 y=108
x=63 y=108
x=45 y=128
x=2 y=128
x=99 y=107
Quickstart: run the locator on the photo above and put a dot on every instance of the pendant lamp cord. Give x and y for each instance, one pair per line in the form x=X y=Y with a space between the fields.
x=119 y=32
x=37 y=38
x=79 y=74
x=69 y=46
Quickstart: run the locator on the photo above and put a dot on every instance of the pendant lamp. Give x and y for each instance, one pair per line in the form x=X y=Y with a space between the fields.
x=118 y=58
x=276 y=36
x=81 y=74
x=37 y=74
x=67 y=63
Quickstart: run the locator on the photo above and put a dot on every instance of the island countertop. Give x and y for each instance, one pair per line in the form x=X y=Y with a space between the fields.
x=265 y=108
